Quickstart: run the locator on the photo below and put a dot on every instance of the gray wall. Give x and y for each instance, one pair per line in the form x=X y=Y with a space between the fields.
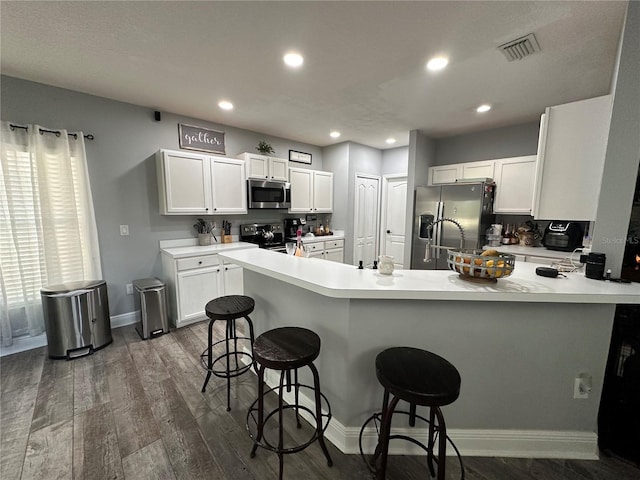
x=336 y=160
x=123 y=174
x=512 y=141
x=395 y=160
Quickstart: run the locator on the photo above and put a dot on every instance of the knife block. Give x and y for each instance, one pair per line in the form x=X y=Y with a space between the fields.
x=226 y=238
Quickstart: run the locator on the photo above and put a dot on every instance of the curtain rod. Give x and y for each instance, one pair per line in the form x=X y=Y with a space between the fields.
x=55 y=132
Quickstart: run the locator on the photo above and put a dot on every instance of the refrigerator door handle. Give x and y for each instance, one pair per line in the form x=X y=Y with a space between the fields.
x=438 y=229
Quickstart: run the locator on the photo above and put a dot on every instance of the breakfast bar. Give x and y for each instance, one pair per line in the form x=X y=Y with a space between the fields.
x=519 y=344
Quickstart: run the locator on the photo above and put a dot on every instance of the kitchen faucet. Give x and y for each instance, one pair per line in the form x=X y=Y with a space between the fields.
x=427 y=251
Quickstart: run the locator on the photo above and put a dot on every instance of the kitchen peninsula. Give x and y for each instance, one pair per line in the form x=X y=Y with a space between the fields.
x=518 y=345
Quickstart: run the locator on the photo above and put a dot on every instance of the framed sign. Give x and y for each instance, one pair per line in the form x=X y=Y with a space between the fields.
x=200 y=139
x=300 y=157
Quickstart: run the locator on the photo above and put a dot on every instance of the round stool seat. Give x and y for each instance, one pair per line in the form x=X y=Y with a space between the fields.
x=230 y=307
x=417 y=376
x=286 y=348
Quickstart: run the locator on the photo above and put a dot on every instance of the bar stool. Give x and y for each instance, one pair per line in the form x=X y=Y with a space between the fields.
x=286 y=349
x=228 y=308
x=419 y=378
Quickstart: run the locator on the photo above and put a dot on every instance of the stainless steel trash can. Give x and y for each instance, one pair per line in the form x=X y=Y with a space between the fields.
x=151 y=303
x=76 y=318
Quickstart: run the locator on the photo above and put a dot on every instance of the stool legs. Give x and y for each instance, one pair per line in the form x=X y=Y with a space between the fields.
x=285 y=382
x=437 y=428
x=230 y=335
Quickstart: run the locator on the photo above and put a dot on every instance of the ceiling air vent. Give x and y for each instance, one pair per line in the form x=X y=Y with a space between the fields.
x=520 y=47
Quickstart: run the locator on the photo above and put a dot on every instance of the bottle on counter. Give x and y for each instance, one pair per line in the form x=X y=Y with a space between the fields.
x=299 y=252
x=506 y=235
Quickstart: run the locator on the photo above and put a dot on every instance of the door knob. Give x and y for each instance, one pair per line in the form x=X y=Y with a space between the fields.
x=388 y=231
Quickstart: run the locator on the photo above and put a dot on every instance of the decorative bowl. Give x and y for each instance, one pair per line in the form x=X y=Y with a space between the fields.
x=472 y=265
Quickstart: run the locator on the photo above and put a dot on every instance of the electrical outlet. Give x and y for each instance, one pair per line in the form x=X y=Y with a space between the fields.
x=124 y=230
x=129 y=288
x=579 y=389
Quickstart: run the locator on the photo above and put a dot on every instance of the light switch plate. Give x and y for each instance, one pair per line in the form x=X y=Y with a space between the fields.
x=124 y=230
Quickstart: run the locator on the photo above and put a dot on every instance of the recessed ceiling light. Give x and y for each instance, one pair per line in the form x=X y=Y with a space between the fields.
x=483 y=108
x=334 y=134
x=391 y=141
x=293 y=59
x=437 y=63
x=223 y=104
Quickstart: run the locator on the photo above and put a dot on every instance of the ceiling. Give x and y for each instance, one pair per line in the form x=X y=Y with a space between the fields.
x=364 y=70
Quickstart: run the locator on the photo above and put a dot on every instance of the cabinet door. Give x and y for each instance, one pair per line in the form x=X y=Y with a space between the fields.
x=229 y=186
x=257 y=165
x=317 y=254
x=323 y=192
x=183 y=183
x=571 y=151
x=195 y=289
x=444 y=174
x=279 y=169
x=514 y=184
x=483 y=169
x=233 y=279
x=334 y=255
x=301 y=190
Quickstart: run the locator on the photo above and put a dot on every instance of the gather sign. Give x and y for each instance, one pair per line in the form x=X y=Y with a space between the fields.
x=201 y=139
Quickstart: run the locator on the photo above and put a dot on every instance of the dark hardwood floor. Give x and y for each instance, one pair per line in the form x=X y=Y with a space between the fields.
x=134 y=410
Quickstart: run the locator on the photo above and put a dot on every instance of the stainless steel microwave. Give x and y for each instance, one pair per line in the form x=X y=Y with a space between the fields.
x=268 y=194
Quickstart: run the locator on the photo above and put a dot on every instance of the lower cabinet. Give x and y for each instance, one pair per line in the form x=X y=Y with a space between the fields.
x=192 y=282
x=332 y=250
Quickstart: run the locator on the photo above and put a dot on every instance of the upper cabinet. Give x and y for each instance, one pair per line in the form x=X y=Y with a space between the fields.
x=445 y=174
x=265 y=167
x=514 y=184
x=311 y=191
x=484 y=169
x=460 y=171
x=198 y=184
x=571 y=152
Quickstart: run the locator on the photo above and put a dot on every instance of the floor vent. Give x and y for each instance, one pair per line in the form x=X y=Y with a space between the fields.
x=520 y=47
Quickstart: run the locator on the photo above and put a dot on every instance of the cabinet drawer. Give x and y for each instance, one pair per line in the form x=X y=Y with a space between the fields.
x=334 y=244
x=312 y=247
x=197 y=262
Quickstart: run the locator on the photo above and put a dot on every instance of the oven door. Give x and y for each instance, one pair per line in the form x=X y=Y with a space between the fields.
x=268 y=194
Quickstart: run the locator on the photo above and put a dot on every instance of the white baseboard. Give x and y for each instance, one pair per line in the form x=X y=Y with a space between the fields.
x=23 y=344
x=576 y=445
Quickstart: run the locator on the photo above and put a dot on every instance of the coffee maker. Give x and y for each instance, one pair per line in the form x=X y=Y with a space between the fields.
x=291 y=226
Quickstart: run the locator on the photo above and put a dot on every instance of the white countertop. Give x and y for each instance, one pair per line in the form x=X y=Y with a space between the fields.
x=338 y=280
x=195 y=250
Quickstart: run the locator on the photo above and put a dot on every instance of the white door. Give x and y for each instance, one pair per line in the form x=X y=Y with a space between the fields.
x=394 y=218
x=301 y=190
x=233 y=279
x=195 y=289
x=186 y=183
x=366 y=214
x=279 y=169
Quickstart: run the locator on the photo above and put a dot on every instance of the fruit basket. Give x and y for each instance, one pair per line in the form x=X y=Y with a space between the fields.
x=476 y=265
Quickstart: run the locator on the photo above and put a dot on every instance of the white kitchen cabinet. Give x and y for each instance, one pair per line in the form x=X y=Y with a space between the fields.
x=445 y=174
x=232 y=279
x=332 y=250
x=194 y=281
x=196 y=184
x=571 y=152
x=265 y=167
x=483 y=169
x=194 y=289
x=514 y=184
x=311 y=191
x=183 y=183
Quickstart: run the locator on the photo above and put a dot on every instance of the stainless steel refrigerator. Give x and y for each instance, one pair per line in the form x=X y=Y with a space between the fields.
x=469 y=205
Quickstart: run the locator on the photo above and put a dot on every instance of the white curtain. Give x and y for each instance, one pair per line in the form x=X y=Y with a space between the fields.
x=48 y=230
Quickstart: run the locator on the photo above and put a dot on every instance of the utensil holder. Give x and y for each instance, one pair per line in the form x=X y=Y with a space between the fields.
x=204 y=239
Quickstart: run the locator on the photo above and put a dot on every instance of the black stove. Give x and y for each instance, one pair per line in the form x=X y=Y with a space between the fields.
x=269 y=236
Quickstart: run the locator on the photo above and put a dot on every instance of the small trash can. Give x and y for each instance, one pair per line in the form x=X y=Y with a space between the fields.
x=76 y=318
x=151 y=302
